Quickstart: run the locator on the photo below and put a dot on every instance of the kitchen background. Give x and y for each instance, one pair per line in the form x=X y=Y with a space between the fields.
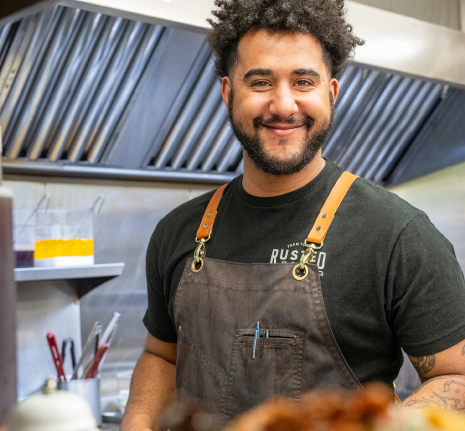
x=93 y=104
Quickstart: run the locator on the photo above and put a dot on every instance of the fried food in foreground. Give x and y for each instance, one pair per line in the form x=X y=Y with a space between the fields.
x=369 y=410
x=372 y=409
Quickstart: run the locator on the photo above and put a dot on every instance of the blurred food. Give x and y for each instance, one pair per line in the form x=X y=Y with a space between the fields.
x=372 y=409
x=188 y=417
x=369 y=410
x=321 y=411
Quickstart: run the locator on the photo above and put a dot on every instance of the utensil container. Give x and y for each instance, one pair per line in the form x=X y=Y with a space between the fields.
x=88 y=389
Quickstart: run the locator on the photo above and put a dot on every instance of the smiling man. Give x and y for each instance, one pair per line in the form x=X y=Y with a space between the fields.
x=296 y=275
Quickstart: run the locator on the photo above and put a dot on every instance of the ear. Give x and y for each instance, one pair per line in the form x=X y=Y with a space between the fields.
x=225 y=89
x=334 y=88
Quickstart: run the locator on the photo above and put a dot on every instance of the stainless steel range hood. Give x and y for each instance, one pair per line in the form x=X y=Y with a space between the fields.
x=393 y=42
x=120 y=89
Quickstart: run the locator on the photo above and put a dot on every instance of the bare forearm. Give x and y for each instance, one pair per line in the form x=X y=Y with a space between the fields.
x=444 y=392
x=153 y=387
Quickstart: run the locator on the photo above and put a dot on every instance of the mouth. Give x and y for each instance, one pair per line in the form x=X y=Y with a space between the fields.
x=282 y=130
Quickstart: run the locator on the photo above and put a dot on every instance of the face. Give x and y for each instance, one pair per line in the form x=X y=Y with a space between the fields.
x=280 y=99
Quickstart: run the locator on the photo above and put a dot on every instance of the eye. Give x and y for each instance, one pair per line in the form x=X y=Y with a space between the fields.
x=260 y=84
x=303 y=83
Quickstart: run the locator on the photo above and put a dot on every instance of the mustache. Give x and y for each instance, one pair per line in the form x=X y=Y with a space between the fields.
x=276 y=119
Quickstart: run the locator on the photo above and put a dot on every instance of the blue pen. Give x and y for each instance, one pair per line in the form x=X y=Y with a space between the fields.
x=256 y=336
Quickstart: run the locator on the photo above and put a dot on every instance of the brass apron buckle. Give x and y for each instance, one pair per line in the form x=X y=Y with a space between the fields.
x=305 y=259
x=199 y=253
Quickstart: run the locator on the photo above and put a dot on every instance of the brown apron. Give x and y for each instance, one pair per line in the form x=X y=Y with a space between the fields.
x=216 y=310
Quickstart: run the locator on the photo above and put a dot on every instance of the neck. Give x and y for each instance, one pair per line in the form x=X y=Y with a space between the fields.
x=258 y=183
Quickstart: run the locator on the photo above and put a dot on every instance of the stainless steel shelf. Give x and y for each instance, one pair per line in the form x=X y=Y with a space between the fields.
x=66 y=272
x=82 y=278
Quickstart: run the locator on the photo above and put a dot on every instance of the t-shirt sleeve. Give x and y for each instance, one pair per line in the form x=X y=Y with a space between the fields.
x=425 y=290
x=157 y=319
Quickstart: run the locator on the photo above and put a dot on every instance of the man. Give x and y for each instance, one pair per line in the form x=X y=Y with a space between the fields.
x=244 y=303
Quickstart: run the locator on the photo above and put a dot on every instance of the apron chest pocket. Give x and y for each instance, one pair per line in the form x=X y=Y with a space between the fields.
x=275 y=371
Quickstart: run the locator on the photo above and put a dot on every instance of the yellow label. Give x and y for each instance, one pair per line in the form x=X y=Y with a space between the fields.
x=47 y=248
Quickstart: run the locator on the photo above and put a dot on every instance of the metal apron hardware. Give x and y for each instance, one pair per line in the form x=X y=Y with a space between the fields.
x=220 y=360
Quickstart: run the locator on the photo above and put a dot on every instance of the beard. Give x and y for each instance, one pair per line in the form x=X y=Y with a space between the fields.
x=255 y=148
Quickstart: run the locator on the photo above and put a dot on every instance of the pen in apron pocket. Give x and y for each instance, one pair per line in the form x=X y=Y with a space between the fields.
x=255 y=338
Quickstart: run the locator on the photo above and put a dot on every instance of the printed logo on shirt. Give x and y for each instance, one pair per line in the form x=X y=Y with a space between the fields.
x=292 y=253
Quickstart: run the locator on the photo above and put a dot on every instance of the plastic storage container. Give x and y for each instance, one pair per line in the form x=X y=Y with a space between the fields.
x=64 y=237
x=24 y=225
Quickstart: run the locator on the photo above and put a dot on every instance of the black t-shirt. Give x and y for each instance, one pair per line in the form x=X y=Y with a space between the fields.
x=389 y=278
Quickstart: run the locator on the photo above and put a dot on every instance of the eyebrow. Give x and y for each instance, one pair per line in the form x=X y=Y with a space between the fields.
x=311 y=72
x=268 y=72
x=258 y=72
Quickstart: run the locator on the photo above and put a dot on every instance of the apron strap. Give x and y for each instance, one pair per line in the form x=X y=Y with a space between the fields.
x=326 y=216
x=208 y=219
x=322 y=223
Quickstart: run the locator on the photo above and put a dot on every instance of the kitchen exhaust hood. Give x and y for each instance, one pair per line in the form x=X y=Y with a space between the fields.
x=118 y=89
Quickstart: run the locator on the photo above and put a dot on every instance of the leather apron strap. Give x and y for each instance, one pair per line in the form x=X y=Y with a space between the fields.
x=327 y=213
x=206 y=226
x=321 y=226
x=314 y=239
x=205 y=229
x=319 y=230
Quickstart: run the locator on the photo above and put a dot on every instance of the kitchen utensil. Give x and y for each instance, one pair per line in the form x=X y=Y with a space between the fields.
x=88 y=349
x=68 y=341
x=109 y=333
x=57 y=359
x=97 y=359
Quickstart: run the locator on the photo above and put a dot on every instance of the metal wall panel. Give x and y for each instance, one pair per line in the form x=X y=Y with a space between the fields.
x=442 y=12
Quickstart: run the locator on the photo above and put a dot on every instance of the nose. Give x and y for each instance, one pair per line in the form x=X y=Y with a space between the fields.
x=283 y=102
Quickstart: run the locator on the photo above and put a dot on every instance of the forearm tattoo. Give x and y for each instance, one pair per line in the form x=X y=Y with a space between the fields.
x=450 y=397
x=423 y=364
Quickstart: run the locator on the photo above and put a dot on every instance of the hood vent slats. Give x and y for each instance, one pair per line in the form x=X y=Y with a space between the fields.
x=85 y=90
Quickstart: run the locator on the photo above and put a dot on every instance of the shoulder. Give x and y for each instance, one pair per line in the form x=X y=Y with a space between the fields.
x=187 y=211
x=192 y=210
x=183 y=221
x=367 y=197
x=180 y=219
x=380 y=204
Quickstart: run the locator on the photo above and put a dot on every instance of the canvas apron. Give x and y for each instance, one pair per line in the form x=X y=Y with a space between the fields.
x=216 y=310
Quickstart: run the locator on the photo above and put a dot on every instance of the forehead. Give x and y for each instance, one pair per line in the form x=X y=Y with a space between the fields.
x=279 y=51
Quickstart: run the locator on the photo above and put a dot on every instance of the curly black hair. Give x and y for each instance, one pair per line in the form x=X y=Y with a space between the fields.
x=324 y=19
